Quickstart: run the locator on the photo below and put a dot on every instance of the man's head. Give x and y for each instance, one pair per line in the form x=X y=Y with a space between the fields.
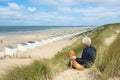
x=86 y=41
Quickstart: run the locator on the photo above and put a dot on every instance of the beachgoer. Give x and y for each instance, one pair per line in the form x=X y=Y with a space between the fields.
x=1 y=41
x=88 y=55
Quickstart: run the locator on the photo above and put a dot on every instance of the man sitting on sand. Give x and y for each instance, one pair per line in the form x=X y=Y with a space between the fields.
x=88 y=55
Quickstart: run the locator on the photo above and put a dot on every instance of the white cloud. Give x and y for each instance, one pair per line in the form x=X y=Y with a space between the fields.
x=56 y=2
x=95 y=10
x=65 y=14
x=102 y=2
x=62 y=3
x=32 y=9
x=6 y=12
x=91 y=14
x=14 y=10
x=14 y=6
x=19 y=14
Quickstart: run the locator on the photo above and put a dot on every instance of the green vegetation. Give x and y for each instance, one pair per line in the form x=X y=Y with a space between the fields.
x=38 y=70
x=110 y=66
x=106 y=64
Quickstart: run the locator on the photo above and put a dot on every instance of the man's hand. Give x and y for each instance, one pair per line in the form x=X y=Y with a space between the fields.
x=73 y=57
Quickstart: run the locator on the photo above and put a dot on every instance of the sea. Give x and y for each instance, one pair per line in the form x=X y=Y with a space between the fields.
x=8 y=30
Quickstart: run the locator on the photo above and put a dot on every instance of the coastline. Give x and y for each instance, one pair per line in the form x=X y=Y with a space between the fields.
x=14 y=39
x=21 y=32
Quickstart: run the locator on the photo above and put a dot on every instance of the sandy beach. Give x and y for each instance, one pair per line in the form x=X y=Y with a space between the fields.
x=46 y=51
x=14 y=39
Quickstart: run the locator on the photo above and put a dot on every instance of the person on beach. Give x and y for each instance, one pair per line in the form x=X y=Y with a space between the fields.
x=88 y=56
x=1 y=41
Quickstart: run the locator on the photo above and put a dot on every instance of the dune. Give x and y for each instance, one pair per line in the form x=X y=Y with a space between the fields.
x=110 y=40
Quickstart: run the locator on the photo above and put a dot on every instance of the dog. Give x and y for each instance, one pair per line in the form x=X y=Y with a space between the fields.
x=74 y=63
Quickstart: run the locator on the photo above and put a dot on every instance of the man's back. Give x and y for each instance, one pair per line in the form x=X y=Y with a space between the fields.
x=89 y=54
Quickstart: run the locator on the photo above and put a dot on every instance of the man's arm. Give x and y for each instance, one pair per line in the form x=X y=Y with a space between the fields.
x=80 y=61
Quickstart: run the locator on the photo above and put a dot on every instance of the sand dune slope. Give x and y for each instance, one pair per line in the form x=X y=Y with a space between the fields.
x=72 y=74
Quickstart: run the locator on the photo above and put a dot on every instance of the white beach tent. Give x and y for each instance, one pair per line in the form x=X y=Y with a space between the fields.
x=1 y=54
x=31 y=44
x=10 y=51
x=22 y=47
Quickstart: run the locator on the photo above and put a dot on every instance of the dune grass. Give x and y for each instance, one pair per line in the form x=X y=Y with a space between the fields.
x=109 y=66
x=106 y=64
x=38 y=70
x=108 y=57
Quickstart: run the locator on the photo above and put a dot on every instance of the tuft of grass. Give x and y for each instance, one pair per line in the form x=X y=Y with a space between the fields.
x=107 y=62
x=38 y=70
x=110 y=62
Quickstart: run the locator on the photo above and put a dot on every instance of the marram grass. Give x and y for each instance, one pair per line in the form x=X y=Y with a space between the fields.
x=38 y=70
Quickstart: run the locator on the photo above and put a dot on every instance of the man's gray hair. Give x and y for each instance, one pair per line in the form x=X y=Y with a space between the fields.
x=86 y=41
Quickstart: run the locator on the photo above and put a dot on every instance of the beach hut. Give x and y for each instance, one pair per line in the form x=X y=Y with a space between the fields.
x=40 y=42
x=60 y=37
x=49 y=40
x=54 y=38
x=22 y=47
x=64 y=36
x=37 y=43
x=57 y=37
x=31 y=44
x=45 y=41
x=1 y=54
x=10 y=51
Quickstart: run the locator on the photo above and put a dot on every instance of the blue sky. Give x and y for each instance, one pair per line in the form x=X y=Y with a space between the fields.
x=59 y=12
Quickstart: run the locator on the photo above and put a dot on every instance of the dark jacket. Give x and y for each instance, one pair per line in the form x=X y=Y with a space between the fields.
x=88 y=56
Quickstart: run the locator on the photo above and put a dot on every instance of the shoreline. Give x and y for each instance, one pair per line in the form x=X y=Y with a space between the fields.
x=37 y=31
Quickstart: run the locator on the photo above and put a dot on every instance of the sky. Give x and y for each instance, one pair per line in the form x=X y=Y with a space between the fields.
x=59 y=12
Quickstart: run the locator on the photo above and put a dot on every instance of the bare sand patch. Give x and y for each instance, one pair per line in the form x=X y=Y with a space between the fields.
x=72 y=74
x=110 y=40
x=117 y=31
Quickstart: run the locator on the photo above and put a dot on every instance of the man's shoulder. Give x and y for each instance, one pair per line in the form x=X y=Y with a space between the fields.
x=90 y=48
x=93 y=47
